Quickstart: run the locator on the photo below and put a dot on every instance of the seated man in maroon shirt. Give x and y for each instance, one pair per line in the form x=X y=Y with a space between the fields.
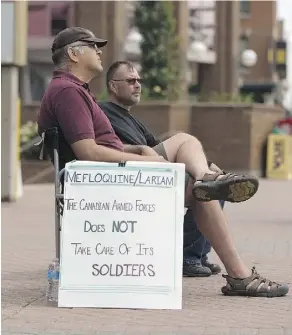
x=86 y=134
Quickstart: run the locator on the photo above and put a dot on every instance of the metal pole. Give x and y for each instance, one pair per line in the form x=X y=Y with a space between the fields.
x=10 y=162
x=13 y=55
x=57 y=192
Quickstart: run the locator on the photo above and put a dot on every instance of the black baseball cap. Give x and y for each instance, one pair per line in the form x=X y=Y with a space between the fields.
x=75 y=34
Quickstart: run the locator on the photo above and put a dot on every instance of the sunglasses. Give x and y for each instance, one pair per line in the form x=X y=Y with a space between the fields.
x=89 y=45
x=131 y=81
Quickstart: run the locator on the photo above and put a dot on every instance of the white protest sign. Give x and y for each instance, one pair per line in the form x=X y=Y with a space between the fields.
x=122 y=235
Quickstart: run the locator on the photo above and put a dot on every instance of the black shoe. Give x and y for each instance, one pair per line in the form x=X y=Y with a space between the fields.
x=196 y=270
x=215 y=268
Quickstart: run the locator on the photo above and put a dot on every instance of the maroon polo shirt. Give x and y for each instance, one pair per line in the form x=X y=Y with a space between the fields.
x=68 y=105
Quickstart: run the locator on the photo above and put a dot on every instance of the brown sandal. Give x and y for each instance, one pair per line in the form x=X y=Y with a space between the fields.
x=253 y=286
x=230 y=187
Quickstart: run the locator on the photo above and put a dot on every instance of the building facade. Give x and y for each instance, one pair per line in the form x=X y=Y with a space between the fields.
x=46 y=19
x=262 y=32
x=205 y=24
x=112 y=20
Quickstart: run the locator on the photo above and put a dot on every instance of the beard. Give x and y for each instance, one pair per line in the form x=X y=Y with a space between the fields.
x=130 y=101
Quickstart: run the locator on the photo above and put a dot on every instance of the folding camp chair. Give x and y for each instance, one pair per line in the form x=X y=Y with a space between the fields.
x=50 y=141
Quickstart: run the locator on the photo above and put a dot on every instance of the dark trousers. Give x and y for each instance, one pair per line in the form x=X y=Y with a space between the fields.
x=195 y=247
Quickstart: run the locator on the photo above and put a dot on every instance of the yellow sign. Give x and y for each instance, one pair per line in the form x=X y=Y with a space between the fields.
x=271 y=56
x=279 y=157
x=281 y=56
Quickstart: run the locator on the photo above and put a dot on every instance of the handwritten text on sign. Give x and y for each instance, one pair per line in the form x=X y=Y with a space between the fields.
x=122 y=230
x=123 y=249
x=121 y=179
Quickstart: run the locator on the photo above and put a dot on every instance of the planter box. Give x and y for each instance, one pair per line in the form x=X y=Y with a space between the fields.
x=233 y=135
x=162 y=117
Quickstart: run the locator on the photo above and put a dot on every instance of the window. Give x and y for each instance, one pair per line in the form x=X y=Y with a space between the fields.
x=58 y=25
x=244 y=7
x=37 y=20
x=243 y=43
x=59 y=19
x=34 y=80
x=37 y=85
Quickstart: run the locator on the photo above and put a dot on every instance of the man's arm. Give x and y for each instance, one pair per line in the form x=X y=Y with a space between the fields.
x=90 y=151
x=142 y=150
x=80 y=135
x=133 y=149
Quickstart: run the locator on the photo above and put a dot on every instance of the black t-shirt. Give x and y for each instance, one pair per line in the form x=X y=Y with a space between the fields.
x=126 y=126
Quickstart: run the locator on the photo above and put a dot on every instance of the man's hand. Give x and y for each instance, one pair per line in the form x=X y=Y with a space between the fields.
x=151 y=155
x=142 y=150
x=147 y=151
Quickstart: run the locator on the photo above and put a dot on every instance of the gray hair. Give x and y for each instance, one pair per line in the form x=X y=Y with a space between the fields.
x=61 y=58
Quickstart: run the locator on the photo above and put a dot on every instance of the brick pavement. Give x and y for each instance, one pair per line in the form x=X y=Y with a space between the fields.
x=262 y=229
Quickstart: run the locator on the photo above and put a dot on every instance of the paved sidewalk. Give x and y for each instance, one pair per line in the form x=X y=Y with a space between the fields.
x=262 y=228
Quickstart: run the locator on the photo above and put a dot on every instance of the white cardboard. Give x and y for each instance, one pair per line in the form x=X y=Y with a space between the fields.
x=132 y=255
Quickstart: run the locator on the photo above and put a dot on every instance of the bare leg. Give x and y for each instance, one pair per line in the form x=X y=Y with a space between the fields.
x=209 y=185
x=239 y=281
x=178 y=149
x=209 y=216
x=212 y=224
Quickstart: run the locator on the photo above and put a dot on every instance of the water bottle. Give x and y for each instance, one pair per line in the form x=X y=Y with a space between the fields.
x=53 y=281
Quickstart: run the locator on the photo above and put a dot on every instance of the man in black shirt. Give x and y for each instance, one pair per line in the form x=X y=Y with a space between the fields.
x=132 y=132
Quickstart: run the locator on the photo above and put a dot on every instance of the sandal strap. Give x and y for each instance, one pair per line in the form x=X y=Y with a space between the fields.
x=230 y=175
x=210 y=176
x=252 y=284
x=214 y=176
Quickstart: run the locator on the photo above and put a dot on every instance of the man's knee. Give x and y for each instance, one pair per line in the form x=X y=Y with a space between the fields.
x=165 y=136
x=184 y=137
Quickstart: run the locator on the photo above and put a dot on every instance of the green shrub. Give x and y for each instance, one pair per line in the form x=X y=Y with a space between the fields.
x=160 y=49
x=28 y=132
